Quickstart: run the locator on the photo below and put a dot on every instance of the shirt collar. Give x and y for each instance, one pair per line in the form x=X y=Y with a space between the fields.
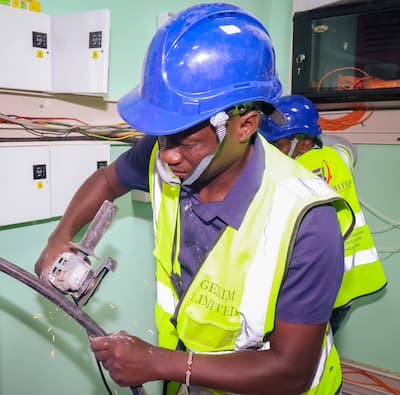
x=233 y=208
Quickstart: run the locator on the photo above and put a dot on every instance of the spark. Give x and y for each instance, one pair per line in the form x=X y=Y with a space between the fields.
x=112 y=306
x=49 y=314
x=50 y=329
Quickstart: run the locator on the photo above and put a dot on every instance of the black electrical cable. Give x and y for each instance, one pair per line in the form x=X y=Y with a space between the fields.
x=103 y=378
x=58 y=298
x=100 y=369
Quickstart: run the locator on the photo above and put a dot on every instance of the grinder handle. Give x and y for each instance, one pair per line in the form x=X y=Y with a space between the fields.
x=97 y=228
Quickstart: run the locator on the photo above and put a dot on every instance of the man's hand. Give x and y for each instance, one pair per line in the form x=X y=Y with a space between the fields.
x=48 y=256
x=129 y=360
x=294 y=353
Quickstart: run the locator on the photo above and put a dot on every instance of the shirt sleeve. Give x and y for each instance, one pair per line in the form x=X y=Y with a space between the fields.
x=132 y=167
x=315 y=269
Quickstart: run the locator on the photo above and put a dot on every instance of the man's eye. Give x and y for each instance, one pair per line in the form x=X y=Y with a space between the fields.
x=188 y=145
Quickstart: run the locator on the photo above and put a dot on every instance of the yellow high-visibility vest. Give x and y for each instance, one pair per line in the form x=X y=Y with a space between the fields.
x=364 y=272
x=230 y=304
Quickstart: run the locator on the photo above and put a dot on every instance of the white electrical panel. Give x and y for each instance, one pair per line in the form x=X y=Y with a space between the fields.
x=37 y=182
x=25 y=49
x=62 y=53
x=70 y=166
x=25 y=195
x=80 y=45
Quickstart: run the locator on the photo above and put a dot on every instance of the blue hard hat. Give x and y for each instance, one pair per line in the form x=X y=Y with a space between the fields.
x=205 y=59
x=301 y=116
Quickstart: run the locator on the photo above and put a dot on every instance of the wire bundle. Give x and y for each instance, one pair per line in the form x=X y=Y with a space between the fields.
x=354 y=117
x=52 y=127
x=370 y=381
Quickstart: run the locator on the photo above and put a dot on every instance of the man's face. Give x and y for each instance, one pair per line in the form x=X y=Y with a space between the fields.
x=283 y=144
x=183 y=151
x=295 y=145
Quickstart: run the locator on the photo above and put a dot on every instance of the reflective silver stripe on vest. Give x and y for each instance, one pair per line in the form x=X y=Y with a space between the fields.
x=166 y=298
x=260 y=276
x=156 y=198
x=359 y=220
x=362 y=257
x=324 y=355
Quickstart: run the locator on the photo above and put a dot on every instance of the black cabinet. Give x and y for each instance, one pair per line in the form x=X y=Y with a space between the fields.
x=348 y=55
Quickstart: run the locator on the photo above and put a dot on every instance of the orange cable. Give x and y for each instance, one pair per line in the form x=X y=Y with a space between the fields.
x=339 y=69
x=355 y=117
x=378 y=382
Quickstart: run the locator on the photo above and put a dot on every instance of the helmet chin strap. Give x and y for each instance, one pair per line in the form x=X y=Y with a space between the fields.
x=219 y=122
x=293 y=144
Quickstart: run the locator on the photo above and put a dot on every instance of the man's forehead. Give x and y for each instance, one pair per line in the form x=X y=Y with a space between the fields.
x=194 y=131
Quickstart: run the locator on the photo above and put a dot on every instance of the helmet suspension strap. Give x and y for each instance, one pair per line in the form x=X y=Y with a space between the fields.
x=219 y=123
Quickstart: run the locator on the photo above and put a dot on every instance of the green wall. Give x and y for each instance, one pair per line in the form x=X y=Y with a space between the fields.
x=44 y=351
x=32 y=361
x=370 y=334
x=134 y=23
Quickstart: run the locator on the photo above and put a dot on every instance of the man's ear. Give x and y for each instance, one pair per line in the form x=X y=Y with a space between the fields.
x=248 y=125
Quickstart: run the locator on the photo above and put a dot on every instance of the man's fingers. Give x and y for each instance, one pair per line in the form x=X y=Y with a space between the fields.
x=99 y=344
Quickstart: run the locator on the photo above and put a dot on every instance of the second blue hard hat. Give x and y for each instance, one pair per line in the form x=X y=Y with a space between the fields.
x=301 y=116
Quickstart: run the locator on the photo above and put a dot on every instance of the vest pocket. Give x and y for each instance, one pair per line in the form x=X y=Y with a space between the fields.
x=204 y=330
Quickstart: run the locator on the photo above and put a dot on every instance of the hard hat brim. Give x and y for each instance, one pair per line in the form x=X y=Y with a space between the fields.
x=154 y=120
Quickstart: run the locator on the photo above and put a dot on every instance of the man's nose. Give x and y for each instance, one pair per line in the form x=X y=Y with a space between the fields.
x=171 y=155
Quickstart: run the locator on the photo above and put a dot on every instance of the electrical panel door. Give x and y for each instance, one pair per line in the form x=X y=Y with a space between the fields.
x=37 y=182
x=25 y=184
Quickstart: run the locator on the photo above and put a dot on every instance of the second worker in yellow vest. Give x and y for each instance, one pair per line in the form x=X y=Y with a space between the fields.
x=332 y=159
